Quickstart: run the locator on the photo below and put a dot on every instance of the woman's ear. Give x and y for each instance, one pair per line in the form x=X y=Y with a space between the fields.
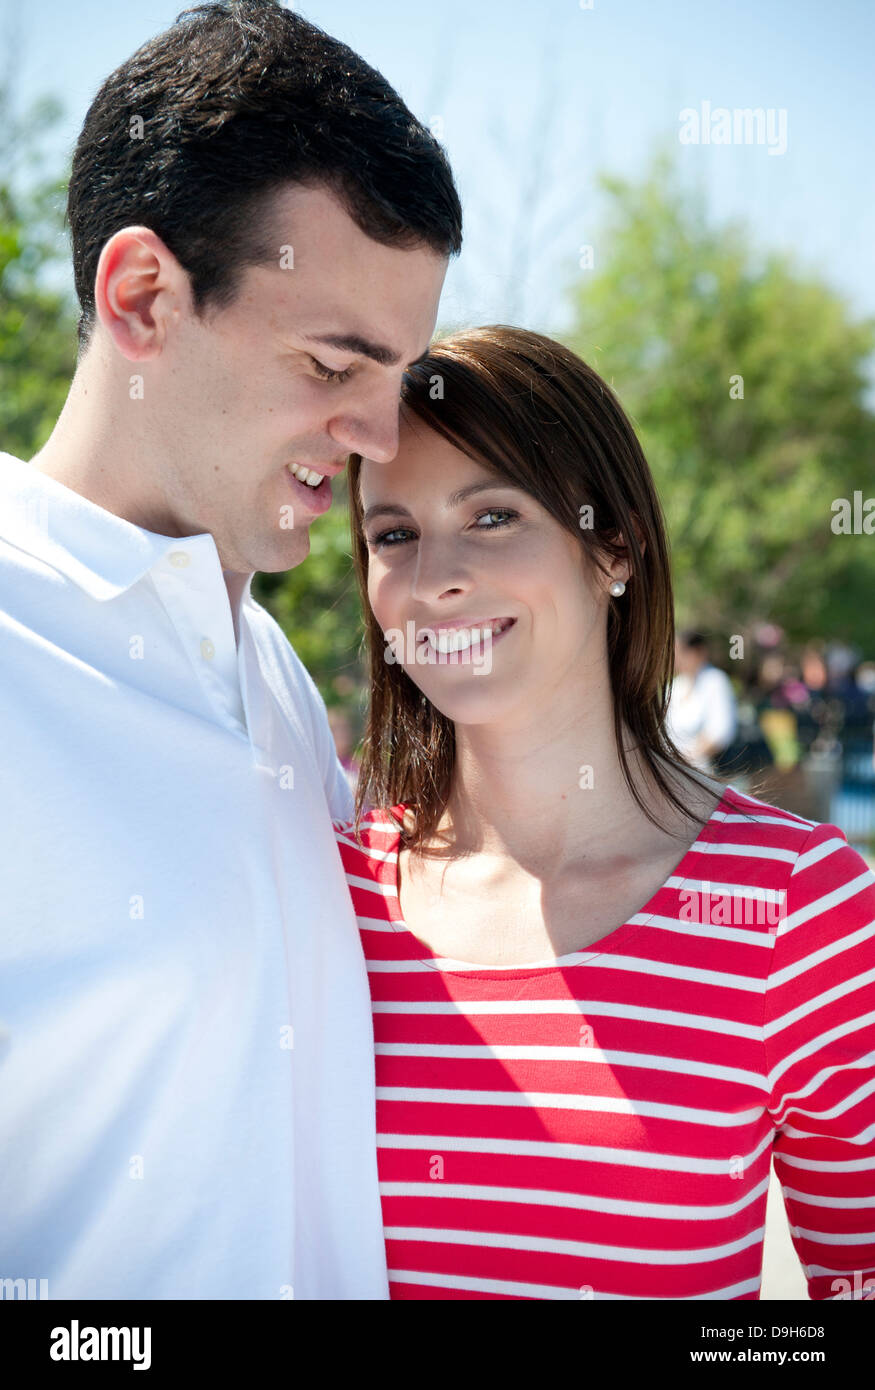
x=639 y=532
x=622 y=567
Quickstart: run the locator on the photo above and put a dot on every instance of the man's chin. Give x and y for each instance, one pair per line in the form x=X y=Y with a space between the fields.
x=289 y=553
x=272 y=552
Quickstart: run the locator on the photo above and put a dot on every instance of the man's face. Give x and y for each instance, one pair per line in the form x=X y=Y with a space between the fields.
x=233 y=399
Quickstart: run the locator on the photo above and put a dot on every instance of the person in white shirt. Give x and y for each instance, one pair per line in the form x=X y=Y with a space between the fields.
x=702 y=717
x=186 y=1047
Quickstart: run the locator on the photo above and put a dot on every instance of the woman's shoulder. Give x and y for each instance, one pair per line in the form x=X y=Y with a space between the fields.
x=725 y=813
x=825 y=887
x=378 y=830
x=734 y=803
x=822 y=868
x=755 y=819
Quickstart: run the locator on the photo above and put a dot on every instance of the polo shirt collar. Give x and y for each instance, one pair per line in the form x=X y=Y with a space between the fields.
x=101 y=553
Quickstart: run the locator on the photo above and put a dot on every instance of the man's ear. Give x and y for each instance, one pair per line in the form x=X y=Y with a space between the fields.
x=137 y=290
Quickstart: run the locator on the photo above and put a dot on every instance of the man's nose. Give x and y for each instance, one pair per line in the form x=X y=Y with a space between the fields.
x=370 y=426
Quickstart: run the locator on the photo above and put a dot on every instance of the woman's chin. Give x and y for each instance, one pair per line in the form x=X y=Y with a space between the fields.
x=474 y=704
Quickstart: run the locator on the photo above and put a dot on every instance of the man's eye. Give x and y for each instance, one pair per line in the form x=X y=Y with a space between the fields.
x=327 y=374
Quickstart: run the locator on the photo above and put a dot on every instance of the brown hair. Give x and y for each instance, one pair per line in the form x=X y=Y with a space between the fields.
x=530 y=410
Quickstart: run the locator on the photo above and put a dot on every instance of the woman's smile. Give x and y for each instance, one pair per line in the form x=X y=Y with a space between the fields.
x=458 y=642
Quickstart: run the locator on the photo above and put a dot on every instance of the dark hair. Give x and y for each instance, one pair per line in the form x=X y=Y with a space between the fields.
x=530 y=410
x=237 y=99
x=694 y=641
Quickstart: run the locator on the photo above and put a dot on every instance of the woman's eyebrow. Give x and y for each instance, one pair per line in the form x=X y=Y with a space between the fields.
x=384 y=509
x=454 y=499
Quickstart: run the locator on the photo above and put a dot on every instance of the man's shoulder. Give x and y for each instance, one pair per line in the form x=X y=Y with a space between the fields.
x=283 y=670
x=270 y=639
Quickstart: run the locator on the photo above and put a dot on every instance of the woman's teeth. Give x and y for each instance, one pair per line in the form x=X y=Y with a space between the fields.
x=459 y=639
x=306 y=475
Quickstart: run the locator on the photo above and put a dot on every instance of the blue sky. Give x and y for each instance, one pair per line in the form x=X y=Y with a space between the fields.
x=533 y=99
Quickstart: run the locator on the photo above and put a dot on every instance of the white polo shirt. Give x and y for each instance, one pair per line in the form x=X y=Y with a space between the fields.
x=186 y=1046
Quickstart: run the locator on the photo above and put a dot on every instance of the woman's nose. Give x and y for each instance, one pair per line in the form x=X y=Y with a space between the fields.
x=438 y=570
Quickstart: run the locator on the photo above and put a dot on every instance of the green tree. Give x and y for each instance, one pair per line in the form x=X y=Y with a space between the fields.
x=37 y=321
x=682 y=318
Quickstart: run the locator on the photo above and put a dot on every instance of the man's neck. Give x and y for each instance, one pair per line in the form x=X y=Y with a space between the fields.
x=82 y=473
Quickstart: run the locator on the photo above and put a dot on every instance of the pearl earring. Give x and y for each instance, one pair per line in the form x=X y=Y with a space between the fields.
x=618 y=588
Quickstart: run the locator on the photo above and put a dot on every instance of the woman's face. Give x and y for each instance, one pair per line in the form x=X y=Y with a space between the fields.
x=482 y=595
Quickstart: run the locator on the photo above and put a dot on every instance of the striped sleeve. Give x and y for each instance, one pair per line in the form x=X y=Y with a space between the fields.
x=819 y=1033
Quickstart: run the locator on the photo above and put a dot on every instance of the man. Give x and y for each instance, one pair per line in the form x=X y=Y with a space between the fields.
x=260 y=234
x=702 y=708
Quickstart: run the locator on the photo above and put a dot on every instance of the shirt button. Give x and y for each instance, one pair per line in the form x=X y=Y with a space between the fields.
x=180 y=558
x=208 y=651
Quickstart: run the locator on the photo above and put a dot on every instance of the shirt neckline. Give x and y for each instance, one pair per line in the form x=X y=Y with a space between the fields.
x=105 y=555
x=610 y=941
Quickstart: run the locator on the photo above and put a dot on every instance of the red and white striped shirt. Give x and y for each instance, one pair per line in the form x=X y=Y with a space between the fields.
x=602 y=1125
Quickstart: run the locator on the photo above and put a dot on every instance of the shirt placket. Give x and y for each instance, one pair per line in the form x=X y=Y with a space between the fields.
x=192 y=587
x=258 y=702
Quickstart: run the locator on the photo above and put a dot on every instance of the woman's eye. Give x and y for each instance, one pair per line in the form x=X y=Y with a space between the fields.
x=327 y=374
x=399 y=535
x=384 y=537
x=505 y=515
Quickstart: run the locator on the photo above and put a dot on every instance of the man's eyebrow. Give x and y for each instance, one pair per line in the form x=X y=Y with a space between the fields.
x=454 y=499
x=362 y=347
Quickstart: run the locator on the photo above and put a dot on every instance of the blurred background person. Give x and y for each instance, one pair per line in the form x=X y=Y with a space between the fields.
x=702 y=715
x=782 y=699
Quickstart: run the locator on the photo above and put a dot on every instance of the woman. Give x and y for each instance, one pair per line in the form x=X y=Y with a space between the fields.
x=606 y=987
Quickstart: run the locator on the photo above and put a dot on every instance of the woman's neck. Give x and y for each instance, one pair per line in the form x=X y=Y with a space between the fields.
x=546 y=795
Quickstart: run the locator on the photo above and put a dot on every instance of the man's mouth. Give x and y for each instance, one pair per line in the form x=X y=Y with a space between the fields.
x=312 y=489
x=306 y=475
